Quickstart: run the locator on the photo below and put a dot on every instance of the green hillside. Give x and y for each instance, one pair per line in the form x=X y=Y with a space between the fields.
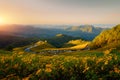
x=108 y=39
x=40 y=45
x=60 y=39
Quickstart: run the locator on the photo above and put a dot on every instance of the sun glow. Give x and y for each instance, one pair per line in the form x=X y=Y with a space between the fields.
x=1 y=20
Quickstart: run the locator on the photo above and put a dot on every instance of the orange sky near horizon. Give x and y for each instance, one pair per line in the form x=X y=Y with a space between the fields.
x=59 y=12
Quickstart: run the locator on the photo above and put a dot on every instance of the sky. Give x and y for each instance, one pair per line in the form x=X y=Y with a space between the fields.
x=60 y=11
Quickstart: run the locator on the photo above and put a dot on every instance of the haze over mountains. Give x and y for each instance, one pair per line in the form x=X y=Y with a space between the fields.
x=19 y=35
x=107 y=39
x=43 y=30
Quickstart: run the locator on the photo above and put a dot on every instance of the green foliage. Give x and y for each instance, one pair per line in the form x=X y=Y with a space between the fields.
x=2 y=52
x=60 y=39
x=8 y=42
x=84 y=65
x=108 y=39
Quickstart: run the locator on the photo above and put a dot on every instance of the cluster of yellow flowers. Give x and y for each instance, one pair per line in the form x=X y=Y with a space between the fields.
x=48 y=68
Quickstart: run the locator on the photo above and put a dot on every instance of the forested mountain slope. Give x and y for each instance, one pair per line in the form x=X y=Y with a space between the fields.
x=108 y=38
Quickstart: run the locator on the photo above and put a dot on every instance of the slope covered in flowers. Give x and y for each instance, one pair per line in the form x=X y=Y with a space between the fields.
x=83 y=65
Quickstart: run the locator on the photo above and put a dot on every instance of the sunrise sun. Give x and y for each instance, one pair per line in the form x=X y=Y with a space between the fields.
x=1 y=20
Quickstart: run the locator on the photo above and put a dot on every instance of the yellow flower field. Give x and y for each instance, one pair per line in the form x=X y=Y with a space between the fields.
x=83 y=65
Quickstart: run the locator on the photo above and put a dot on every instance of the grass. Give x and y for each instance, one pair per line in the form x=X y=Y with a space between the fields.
x=84 y=53
x=80 y=65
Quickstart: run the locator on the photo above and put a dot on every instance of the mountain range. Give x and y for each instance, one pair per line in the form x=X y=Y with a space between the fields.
x=20 y=35
x=41 y=32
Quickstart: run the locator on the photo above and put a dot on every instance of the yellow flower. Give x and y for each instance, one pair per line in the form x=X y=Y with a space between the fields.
x=48 y=65
x=116 y=70
x=3 y=59
x=27 y=78
x=106 y=62
x=115 y=57
x=62 y=67
x=48 y=70
x=107 y=52
x=99 y=60
x=38 y=71
x=15 y=66
x=21 y=53
x=87 y=68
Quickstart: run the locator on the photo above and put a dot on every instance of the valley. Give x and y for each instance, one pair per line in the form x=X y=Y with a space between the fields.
x=21 y=35
x=59 y=39
x=54 y=57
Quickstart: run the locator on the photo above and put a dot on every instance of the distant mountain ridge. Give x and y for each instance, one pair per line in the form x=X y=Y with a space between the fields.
x=87 y=32
x=18 y=35
x=84 y=28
